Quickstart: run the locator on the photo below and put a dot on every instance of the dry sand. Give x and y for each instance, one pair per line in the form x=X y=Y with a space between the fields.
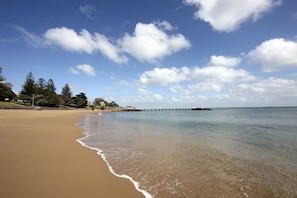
x=39 y=157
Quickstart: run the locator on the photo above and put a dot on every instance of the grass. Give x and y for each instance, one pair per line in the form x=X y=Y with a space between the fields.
x=11 y=104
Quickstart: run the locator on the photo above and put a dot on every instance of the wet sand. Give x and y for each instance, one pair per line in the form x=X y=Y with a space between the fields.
x=40 y=158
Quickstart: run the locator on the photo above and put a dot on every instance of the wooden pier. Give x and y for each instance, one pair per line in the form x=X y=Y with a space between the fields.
x=132 y=108
x=177 y=109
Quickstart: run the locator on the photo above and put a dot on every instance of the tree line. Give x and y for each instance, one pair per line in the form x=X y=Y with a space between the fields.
x=43 y=93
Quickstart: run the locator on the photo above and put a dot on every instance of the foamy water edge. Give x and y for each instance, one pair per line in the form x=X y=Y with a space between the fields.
x=102 y=155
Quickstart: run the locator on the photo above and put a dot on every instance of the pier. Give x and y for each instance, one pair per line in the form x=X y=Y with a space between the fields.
x=177 y=109
x=132 y=108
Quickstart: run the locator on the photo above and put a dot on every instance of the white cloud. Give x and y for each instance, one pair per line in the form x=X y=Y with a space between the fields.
x=109 y=49
x=220 y=85
x=83 y=42
x=221 y=75
x=204 y=87
x=73 y=70
x=260 y=92
x=164 y=25
x=70 y=40
x=176 y=88
x=151 y=43
x=88 y=10
x=209 y=78
x=272 y=85
x=196 y=81
x=224 y=61
x=269 y=92
x=31 y=38
x=84 y=68
x=164 y=76
x=144 y=91
x=275 y=55
x=227 y=15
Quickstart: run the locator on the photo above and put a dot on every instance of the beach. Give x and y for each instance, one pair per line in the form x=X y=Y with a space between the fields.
x=40 y=157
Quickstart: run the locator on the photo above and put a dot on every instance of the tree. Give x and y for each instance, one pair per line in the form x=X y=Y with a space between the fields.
x=50 y=86
x=5 y=89
x=40 y=86
x=66 y=94
x=99 y=101
x=28 y=86
x=2 y=78
x=80 y=100
x=113 y=104
x=50 y=94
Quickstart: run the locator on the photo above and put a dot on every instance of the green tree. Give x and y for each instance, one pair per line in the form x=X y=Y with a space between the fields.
x=113 y=104
x=50 y=86
x=66 y=94
x=39 y=97
x=80 y=100
x=2 y=78
x=50 y=94
x=40 y=86
x=97 y=101
x=5 y=89
x=28 y=86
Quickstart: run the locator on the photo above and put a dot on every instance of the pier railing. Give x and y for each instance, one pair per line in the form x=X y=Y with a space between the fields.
x=176 y=109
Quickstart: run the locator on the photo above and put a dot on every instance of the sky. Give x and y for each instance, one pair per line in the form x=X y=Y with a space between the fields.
x=156 y=54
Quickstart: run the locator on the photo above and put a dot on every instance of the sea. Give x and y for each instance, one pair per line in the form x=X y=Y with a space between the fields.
x=224 y=152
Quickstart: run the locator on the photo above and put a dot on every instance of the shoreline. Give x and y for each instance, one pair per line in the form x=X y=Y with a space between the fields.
x=100 y=153
x=41 y=158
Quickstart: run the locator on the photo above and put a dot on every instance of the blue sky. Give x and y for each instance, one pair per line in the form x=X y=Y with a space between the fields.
x=170 y=53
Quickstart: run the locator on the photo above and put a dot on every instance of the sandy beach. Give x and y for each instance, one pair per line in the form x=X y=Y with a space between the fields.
x=40 y=158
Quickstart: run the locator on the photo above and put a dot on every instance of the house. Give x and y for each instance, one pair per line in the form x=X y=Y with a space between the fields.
x=130 y=108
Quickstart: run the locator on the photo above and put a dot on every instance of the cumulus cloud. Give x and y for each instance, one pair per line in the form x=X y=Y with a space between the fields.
x=70 y=40
x=220 y=82
x=227 y=15
x=88 y=10
x=164 y=76
x=84 y=42
x=87 y=69
x=151 y=43
x=216 y=81
x=221 y=75
x=275 y=55
x=272 y=91
x=224 y=61
x=206 y=79
x=84 y=68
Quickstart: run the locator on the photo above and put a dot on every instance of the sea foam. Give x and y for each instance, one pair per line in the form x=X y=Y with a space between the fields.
x=102 y=155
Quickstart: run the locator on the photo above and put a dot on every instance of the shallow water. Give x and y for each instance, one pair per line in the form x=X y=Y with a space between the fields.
x=221 y=153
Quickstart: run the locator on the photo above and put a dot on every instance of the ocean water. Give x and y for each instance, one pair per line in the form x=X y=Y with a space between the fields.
x=238 y=152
